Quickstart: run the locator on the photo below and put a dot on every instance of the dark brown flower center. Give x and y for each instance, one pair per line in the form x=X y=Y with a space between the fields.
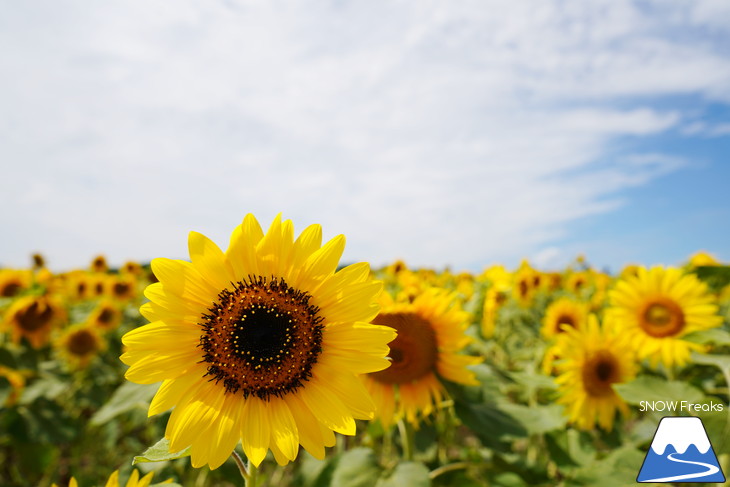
x=523 y=288
x=599 y=372
x=565 y=319
x=10 y=289
x=34 y=317
x=121 y=289
x=99 y=264
x=262 y=338
x=414 y=351
x=82 y=343
x=661 y=317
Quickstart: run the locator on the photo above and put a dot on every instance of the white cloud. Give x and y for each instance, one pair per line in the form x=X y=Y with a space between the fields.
x=454 y=133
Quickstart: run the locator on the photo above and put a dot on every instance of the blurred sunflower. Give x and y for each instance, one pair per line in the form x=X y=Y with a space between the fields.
x=592 y=360
x=261 y=344
x=523 y=288
x=702 y=258
x=430 y=337
x=121 y=288
x=577 y=281
x=132 y=268
x=113 y=481
x=16 y=379
x=657 y=308
x=79 y=344
x=99 y=264
x=494 y=299
x=39 y=262
x=106 y=316
x=33 y=318
x=563 y=311
x=14 y=282
x=78 y=285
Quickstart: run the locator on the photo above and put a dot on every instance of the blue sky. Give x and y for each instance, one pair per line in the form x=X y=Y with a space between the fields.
x=463 y=133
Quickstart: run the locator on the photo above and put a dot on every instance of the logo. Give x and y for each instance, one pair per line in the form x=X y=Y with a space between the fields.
x=680 y=452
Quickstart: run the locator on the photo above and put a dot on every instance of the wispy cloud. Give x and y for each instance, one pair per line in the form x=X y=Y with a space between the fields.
x=445 y=133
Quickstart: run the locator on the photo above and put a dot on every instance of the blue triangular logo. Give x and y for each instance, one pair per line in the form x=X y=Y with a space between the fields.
x=680 y=452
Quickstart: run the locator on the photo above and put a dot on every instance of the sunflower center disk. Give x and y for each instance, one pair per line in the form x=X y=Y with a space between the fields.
x=565 y=320
x=10 y=289
x=82 y=343
x=599 y=372
x=262 y=338
x=662 y=317
x=414 y=351
x=34 y=317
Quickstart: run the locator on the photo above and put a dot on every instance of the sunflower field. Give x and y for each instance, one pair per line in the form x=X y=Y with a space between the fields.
x=271 y=363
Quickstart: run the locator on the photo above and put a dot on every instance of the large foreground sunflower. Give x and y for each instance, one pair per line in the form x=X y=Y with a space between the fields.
x=657 y=307
x=592 y=359
x=261 y=344
x=430 y=337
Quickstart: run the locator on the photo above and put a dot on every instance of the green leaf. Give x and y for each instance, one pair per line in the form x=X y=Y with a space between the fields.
x=618 y=469
x=489 y=423
x=356 y=468
x=127 y=397
x=45 y=421
x=412 y=474
x=160 y=452
x=717 y=336
x=559 y=446
x=716 y=276
x=5 y=390
x=314 y=472
x=648 y=388
x=720 y=361
x=47 y=387
x=508 y=479
x=537 y=419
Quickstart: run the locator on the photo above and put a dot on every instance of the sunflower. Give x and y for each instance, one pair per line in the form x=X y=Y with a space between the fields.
x=592 y=360
x=577 y=281
x=658 y=307
x=113 y=481
x=78 y=285
x=79 y=344
x=430 y=336
x=702 y=258
x=16 y=379
x=33 y=317
x=122 y=287
x=14 y=282
x=261 y=344
x=99 y=264
x=560 y=313
x=523 y=287
x=106 y=316
x=132 y=267
x=494 y=299
x=39 y=262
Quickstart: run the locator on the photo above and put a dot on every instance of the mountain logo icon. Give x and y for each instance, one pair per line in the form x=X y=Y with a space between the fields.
x=680 y=452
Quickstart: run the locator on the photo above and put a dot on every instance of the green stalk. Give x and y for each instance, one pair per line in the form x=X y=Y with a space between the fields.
x=407 y=437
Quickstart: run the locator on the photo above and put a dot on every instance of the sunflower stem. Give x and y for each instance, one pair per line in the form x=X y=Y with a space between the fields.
x=448 y=468
x=242 y=468
x=407 y=438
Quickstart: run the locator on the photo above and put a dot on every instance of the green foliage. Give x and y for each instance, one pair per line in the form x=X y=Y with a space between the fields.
x=127 y=397
x=357 y=468
x=160 y=452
